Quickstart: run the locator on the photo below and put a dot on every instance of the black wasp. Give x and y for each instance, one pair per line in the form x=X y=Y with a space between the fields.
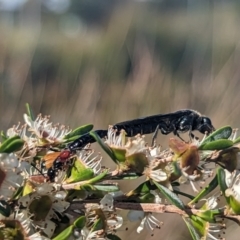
x=176 y=123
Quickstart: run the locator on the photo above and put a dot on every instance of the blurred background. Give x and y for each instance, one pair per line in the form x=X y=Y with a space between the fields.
x=102 y=62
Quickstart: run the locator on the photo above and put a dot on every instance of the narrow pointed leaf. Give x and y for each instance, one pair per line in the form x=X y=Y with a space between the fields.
x=221 y=175
x=98 y=178
x=88 y=187
x=79 y=131
x=83 y=184
x=147 y=198
x=210 y=215
x=107 y=187
x=221 y=133
x=183 y=194
x=80 y=222
x=98 y=225
x=18 y=193
x=172 y=197
x=211 y=186
x=237 y=140
x=217 y=145
x=192 y=230
x=65 y=234
x=3 y=136
x=234 y=204
x=79 y=172
x=30 y=112
x=11 y=145
x=103 y=145
x=8 y=141
x=143 y=188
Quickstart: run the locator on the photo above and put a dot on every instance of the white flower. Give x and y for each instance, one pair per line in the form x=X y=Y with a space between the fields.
x=20 y=226
x=157 y=171
x=90 y=161
x=43 y=205
x=137 y=145
x=159 y=168
x=211 y=228
x=114 y=140
x=10 y=174
x=210 y=203
x=105 y=217
x=233 y=183
x=120 y=142
x=88 y=235
x=114 y=222
x=146 y=218
x=43 y=129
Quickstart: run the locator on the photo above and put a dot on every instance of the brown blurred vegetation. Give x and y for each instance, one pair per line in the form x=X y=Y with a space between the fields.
x=138 y=59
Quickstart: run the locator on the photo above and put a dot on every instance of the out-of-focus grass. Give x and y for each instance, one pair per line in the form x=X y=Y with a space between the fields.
x=141 y=62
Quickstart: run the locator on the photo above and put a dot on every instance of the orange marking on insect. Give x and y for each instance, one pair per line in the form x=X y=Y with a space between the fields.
x=50 y=158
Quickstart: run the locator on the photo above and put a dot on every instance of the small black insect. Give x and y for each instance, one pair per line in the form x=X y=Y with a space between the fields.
x=56 y=163
x=176 y=123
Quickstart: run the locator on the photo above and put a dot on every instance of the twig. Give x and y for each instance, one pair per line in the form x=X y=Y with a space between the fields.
x=146 y=207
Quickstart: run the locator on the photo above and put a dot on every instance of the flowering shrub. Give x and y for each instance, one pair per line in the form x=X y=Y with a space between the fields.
x=49 y=191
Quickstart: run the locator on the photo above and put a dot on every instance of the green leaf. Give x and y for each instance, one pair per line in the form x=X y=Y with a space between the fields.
x=113 y=237
x=79 y=131
x=3 y=136
x=79 y=172
x=172 y=197
x=5 y=209
x=221 y=175
x=234 y=204
x=147 y=198
x=210 y=215
x=119 y=154
x=88 y=187
x=211 y=186
x=85 y=185
x=11 y=145
x=80 y=222
x=143 y=188
x=99 y=224
x=30 y=112
x=71 y=139
x=192 y=230
x=183 y=194
x=237 y=140
x=104 y=146
x=221 y=133
x=98 y=178
x=65 y=234
x=217 y=145
x=18 y=193
x=107 y=187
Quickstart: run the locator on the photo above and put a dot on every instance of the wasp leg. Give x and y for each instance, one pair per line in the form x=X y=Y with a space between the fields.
x=177 y=134
x=154 y=137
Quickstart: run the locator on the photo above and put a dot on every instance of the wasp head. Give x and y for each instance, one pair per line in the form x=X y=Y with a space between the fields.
x=204 y=125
